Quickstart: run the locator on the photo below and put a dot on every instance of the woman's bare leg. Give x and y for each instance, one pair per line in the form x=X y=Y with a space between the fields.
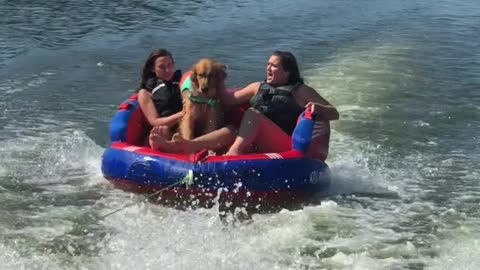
x=216 y=140
x=257 y=128
x=247 y=133
x=271 y=138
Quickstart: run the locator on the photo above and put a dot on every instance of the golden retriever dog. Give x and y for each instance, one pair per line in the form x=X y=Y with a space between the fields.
x=203 y=111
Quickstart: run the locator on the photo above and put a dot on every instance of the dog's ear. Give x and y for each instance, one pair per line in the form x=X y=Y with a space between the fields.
x=221 y=71
x=221 y=75
x=224 y=71
x=194 y=77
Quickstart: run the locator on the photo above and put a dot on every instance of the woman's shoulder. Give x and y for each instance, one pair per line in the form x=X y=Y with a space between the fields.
x=251 y=88
x=255 y=84
x=306 y=90
x=306 y=93
x=304 y=87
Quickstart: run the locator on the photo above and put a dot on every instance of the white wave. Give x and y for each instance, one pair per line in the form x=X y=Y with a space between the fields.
x=420 y=123
x=360 y=167
x=16 y=85
x=52 y=158
x=326 y=236
x=361 y=74
x=459 y=253
x=11 y=259
x=169 y=239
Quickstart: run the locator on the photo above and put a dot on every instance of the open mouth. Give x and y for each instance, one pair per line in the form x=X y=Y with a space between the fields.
x=269 y=76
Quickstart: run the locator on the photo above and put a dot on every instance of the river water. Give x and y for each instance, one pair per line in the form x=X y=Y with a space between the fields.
x=405 y=76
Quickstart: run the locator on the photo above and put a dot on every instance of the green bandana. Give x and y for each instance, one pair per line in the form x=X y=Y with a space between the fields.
x=188 y=86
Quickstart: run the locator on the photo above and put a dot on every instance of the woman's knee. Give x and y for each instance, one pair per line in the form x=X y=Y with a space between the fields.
x=231 y=129
x=252 y=118
x=252 y=112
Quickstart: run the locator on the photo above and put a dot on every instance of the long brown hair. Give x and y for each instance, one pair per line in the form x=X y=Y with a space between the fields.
x=289 y=64
x=147 y=72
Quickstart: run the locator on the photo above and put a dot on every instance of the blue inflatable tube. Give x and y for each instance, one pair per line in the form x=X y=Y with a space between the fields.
x=263 y=179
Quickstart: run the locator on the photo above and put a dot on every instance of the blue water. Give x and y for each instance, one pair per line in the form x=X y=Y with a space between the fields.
x=405 y=76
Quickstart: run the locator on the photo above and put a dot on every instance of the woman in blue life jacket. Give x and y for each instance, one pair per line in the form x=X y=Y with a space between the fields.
x=275 y=104
x=159 y=95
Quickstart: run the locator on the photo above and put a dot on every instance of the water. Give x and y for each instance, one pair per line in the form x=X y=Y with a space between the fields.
x=404 y=75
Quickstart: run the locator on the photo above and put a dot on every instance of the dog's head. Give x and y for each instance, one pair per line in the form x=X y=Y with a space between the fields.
x=208 y=77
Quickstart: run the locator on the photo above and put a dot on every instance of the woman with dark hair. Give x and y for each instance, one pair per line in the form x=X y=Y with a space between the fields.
x=276 y=104
x=159 y=95
x=289 y=63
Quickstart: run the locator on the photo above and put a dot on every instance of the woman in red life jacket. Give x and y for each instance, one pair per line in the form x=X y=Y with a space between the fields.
x=159 y=95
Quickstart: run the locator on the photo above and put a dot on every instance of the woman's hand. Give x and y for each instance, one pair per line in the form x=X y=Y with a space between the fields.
x=326 y=112
x=320 y=106
x=311 y=106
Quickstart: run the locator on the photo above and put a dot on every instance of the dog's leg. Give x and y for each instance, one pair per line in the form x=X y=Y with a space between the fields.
x=187 y=126
x=212 y=120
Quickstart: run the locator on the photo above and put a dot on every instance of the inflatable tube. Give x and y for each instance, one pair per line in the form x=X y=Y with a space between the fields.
x=254 y=180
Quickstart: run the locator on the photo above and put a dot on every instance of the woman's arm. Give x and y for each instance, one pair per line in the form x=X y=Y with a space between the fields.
x=240 y=96
x=307 y=97
x=169 y=120
x=148 y=108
